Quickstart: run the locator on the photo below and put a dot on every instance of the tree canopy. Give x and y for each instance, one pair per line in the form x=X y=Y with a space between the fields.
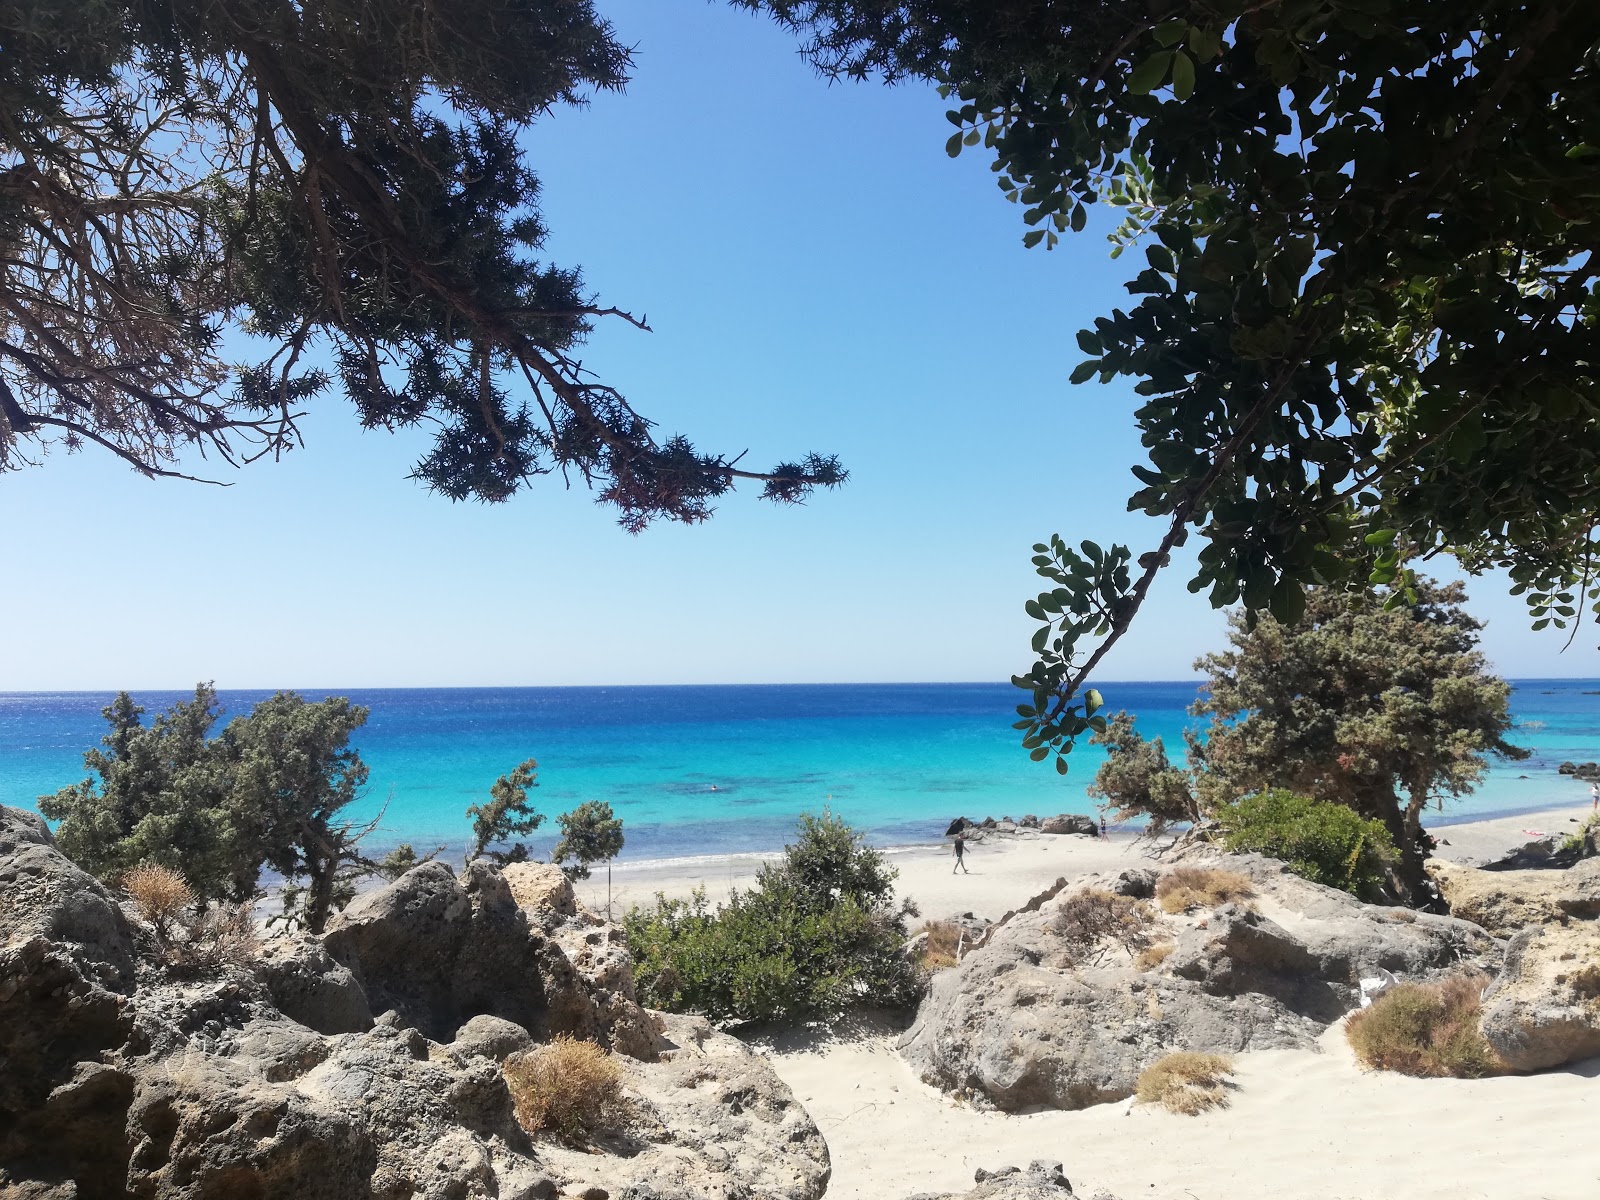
x=1383 y=711
x=268 y=790
x=336 y=180
x=506 y=816
x=1364 y=324
x=590 y=833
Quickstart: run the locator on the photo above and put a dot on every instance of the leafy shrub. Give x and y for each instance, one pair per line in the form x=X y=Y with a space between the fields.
x=1426 y=1029
x=1186 y=1082
x=1184 y=889
x=1086 y=920
x=943 y=945
x=1152 y=957
x=566 y=1086
x=817 y=934
x=1582 y=844
x=1320 y=841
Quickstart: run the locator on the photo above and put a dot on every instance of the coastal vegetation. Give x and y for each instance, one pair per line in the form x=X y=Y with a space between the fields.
x=1382 y=710
x=1320 y=840
x=1427 y=1029
x=376 y=242
x=590 y=833
x=568 y=1087
x=1364 y=303
x=267 y=791
x=1184 y=889
x=1186 y=1082
x=505 y=817
x=1089 y=920
x=820 y=932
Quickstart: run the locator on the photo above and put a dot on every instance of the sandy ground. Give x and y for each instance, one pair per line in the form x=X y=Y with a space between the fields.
x=1302 y=1125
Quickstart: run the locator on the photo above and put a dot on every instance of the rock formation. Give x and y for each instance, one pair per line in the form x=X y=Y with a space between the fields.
x=1504 y=902
x=1029 y=1018
x=273 y=1077
x=1041 y=1180
x=1543 y=1009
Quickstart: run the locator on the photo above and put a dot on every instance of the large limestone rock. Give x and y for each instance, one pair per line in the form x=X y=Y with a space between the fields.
x=272 y=1081
x=1544 y=1008
x=1505 y=901
x=1042 y=1180
x=1025 y=1019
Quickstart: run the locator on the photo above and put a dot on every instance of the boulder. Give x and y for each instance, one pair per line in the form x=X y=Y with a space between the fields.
x=1029 y=1018
x=1543 y=1009
x=308 y=986
x=1042 y=1180
x=490 y=1037
x=1504 y=902
x=1070 y=823
x=438 y=951
x=543 y=891
x=711 y=1121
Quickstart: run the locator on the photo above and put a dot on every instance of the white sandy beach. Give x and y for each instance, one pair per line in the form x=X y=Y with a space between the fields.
x=1302 y=1126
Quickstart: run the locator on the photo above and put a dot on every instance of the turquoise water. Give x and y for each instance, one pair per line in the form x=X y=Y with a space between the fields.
x=707 y=770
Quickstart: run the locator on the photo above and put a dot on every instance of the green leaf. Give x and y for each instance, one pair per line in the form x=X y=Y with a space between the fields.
x=1583 y=150
x=953 y=146
x=1381 y=537
x=1092 y=701
x=1149 y=74
x=1088 y=342
x=1098 y=724
x=1169 y=33
x=1080 y=218
x=1061 y=765
x=1033 y=238
x=1288 y=602
x=1085 y=371
x=1182 y=75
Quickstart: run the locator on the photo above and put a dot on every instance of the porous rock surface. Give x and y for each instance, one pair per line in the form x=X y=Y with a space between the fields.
x=1504 y=902
x=1040 y=1180
x=1543 y=1009
x=271 y=1079
x=1025 y=1021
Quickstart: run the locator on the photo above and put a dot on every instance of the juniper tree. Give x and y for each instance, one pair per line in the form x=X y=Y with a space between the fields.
x=505 y=817
x=342 y=181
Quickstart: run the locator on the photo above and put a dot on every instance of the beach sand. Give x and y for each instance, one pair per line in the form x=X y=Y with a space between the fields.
x=1302 y=1125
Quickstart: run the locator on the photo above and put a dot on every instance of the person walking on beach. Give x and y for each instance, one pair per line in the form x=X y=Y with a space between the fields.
x=1594 y=796
x=961 y=850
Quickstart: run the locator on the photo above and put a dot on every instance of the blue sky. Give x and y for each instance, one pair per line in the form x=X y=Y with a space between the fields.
x=819 y=275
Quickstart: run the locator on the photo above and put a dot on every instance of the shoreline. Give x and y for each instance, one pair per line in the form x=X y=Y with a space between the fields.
x=1006 y=871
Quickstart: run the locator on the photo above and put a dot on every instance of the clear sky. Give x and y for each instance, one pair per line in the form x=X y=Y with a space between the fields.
x=819 y=275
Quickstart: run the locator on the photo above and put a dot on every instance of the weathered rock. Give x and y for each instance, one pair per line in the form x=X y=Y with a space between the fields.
x=543 y=891
x=1042 y=1180
x=490 y=1037
x=712 y=1121
x=120 y=1080
x=439 y=951
x=1506 y=901
x=1070 y=823
x=1543 y=1009
x=308 y=986
x=66 y=974
x=1025 y=1019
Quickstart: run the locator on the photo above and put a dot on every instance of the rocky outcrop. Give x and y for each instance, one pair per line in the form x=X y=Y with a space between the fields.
x=1070 y=823
x=271 y=1080
x=1030 y=1017
x=1041 y=1180
x=1543 y=1009
x=1504 y=902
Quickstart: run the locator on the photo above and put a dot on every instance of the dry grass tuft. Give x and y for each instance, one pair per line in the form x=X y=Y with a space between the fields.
x=943 y=947
x=219 y=936
x=1087 y=919
x=1426 y=1029
x=1186 y=1083
x=159 y=895
x=1184 y=889
x=568 y=1087
x=1152 y=957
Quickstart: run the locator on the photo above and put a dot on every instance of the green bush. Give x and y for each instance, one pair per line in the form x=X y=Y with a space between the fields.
x=1323 y=842
x=818 y=933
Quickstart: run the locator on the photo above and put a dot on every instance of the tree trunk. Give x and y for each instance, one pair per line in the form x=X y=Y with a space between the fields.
x=319 y=889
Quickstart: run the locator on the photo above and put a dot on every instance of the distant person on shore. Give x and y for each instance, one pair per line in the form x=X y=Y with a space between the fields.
x=1594 y=796
x=961 y=851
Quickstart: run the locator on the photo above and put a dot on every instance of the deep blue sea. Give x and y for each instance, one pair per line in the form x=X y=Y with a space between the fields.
x=709 y=770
